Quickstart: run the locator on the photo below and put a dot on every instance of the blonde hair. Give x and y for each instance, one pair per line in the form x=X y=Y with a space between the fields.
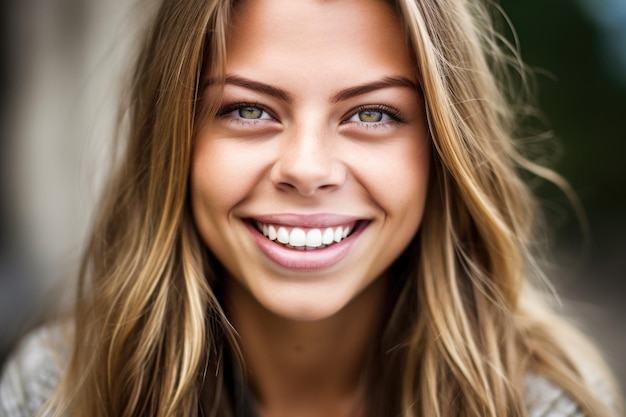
x=467 y=325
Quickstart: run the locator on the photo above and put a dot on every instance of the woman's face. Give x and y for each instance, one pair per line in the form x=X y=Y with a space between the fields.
x=312 y=178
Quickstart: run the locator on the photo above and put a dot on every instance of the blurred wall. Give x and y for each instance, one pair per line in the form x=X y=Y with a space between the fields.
x=61 y=69
x=578 y=51
x=62 y=60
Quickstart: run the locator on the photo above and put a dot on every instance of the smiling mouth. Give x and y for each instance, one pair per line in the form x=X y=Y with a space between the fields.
x=302 y=238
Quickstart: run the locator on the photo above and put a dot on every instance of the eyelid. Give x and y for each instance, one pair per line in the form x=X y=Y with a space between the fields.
x=224 y=110
x=392 y=112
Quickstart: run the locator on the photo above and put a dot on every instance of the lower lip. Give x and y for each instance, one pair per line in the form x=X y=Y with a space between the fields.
x=306 y=260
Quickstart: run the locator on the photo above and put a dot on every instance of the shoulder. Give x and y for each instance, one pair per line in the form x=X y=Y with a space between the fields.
x=545 y=399
x=33 y=371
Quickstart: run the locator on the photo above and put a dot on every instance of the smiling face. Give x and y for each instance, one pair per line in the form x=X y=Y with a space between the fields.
x=312 y=178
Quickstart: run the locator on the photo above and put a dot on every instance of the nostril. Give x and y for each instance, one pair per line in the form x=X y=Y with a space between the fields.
x=286 y=186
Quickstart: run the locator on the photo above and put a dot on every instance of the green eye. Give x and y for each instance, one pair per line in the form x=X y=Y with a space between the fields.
x=250 y=112
x=370 y=116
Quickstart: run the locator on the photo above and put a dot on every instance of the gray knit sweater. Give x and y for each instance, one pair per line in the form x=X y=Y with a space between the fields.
x=33 y=372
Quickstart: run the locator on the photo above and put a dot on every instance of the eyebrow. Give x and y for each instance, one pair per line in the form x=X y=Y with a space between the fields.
x=345 y=94
x=386 y=82
x=258 y=86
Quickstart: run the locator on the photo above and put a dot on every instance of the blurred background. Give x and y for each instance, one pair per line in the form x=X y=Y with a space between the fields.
x=578 y=51
x=62 y=61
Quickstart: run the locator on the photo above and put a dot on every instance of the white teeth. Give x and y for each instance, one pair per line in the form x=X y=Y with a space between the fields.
x=282 y=235
x=328 y=237
x=271 y=232
x=338 y=234
x=314 y=238
x=299 y=238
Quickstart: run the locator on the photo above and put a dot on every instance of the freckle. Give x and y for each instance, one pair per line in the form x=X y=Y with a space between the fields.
x=298 y=348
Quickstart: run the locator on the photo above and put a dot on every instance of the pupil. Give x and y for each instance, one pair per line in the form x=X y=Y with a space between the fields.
x=250 y=112
x=370 y=116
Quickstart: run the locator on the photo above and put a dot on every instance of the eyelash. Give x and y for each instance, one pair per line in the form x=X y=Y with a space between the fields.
x=224 y=111
x=394 y=114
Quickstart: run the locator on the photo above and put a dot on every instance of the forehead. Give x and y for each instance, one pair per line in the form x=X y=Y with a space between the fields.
x=339 y=36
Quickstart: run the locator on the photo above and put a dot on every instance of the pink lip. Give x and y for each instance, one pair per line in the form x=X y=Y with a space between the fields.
x=306 y=259
x=309 y=221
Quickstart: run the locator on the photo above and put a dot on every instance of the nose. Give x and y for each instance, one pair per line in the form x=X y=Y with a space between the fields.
x=307 y=163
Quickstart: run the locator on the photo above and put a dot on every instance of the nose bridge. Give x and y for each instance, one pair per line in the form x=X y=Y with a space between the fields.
x=307 y=162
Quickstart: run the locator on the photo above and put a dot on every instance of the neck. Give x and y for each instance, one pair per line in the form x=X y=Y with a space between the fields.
x=307 y=368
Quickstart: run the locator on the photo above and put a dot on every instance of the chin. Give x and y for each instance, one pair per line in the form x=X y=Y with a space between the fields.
x=305 y=312
x=303 y=307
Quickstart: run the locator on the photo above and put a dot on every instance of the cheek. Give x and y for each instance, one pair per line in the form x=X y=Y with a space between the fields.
x=221 y=174
x=412 y=176
x=396 y=175
x=212 y=192
x=221 y=178
x=402 y=194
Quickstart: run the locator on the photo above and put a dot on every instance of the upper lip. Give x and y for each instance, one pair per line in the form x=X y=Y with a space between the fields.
x=306 y=220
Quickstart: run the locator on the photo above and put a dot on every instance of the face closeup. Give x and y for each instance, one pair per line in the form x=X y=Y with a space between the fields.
x=312 y=178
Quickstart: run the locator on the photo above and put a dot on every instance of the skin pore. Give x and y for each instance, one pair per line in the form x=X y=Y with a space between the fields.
x=321 y=126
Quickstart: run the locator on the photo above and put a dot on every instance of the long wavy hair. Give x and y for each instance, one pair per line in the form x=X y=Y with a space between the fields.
x=467 y=325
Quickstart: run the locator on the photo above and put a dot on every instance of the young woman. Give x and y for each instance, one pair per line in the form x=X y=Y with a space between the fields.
x=319 y=212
